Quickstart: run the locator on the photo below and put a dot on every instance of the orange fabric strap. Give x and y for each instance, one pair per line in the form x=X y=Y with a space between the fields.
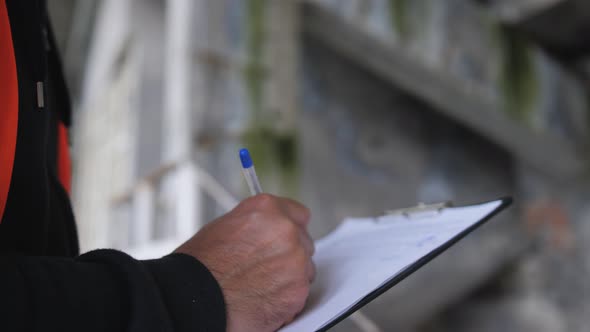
x=64 y=164
x=8 y=106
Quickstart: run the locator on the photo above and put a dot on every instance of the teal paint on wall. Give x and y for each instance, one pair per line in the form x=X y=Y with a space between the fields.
x=399 y=17
x=275 y=154
x=519 y=81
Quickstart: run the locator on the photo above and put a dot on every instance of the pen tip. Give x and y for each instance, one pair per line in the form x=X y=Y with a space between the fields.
x=245 y=158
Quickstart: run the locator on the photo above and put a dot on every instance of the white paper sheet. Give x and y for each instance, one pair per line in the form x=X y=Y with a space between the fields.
x=363 y=254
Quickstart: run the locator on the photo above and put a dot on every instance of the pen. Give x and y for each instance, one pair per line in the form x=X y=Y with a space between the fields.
x=249 y=172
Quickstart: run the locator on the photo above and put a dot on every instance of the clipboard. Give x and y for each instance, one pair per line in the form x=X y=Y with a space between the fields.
x=421 y=213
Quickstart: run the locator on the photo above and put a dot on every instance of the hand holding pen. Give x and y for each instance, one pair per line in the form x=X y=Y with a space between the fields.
x=260 y=254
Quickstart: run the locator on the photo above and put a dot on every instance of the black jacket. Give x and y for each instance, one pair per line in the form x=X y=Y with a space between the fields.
x=44 y=284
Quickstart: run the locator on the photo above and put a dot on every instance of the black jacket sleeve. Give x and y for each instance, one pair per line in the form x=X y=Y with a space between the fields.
x=107 y=290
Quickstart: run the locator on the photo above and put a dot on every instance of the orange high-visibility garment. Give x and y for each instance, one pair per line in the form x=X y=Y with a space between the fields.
x=8 y=106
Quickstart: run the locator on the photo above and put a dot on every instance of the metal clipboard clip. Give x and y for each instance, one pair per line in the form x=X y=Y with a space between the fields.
x=421 y=210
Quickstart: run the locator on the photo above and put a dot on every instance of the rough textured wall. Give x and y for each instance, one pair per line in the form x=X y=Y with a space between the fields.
x=245 y=84
x=458 y=37
x=368 y=147
x=545 y=287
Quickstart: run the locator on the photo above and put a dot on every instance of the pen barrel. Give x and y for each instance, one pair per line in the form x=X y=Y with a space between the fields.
x=252 y=180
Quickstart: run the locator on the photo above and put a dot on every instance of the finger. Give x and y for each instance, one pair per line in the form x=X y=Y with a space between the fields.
x=311 y=271
x=296 y=211
x=307 y=243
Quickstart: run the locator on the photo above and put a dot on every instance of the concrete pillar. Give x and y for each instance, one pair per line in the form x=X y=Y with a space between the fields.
x=143 y=214
x=177 y=148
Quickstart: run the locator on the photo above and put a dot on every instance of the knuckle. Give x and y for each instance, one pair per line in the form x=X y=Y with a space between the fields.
x=289 y=230
x=304 y=290
x=301 y=294
x=297 y=297
x=295 y=263
x=255 y=217
x=263 y=218
x=261 y=201
x=246 y=203
x=285 y=236
x=302 y=211
x=306 y=212
x=292 y=249
x=313 y=271
x=300 y=259
x=264 y=201
x=294 y=238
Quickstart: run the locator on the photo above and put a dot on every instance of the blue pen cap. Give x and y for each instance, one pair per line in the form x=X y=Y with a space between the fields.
x=245 y=158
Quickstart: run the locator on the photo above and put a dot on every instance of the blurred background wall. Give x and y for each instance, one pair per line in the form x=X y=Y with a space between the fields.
x=354 y=107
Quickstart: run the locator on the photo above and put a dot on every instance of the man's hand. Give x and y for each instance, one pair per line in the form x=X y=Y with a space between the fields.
x=260 y=253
